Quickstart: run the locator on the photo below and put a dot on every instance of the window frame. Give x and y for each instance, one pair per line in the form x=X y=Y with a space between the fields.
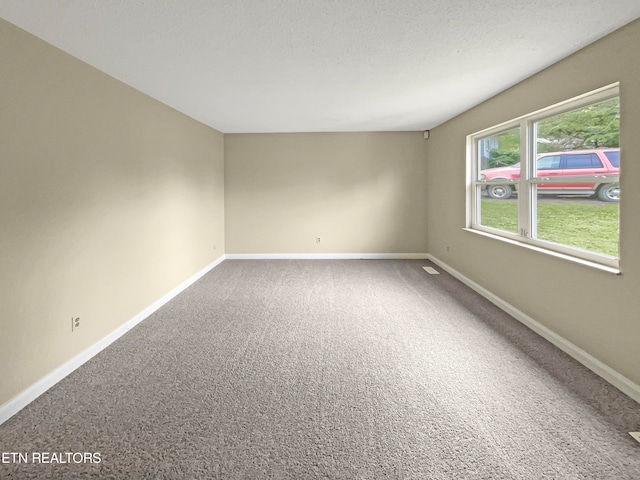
x=525 y=185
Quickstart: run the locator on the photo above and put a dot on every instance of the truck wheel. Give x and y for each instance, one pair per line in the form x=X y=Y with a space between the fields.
x=609 y=192
x=499 y=192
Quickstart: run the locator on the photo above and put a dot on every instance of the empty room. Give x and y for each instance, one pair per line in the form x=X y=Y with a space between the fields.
x=320 y=239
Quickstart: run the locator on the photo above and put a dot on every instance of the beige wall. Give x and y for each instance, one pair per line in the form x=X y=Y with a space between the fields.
x=595 y=310
x=358 y=192
x=108 y=200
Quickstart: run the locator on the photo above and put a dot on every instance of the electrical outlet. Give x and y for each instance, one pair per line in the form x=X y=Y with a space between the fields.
x=447 y=248
x=75 y=323
x=317 y=239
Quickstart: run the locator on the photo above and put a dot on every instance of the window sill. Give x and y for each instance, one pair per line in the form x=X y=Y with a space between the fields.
x=580 y=261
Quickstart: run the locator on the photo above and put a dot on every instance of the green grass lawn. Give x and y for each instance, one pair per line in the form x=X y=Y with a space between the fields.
x=590 y=226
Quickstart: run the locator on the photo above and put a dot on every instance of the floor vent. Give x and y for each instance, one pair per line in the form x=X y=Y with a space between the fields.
x=431 y=270
x=635 y=435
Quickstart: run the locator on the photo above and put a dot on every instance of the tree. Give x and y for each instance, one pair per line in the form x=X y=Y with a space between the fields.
x=593 y=126
x=505 y=149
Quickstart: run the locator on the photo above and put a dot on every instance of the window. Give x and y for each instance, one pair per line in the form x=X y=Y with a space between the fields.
x=583 y=160
x=550 y=179
x=550 y=162
x=614 y=157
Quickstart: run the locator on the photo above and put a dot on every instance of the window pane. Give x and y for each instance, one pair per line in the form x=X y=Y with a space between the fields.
x=589 y=141
x=614 y=157
x=581 y=213
x=549 y=162
x=579 y=222
x=590 y=127
x=498 y=159
x=502 y=214
x=582 y=160
x=500 y=150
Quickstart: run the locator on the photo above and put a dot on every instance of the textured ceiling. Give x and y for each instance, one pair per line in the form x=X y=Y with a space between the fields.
x=320 y=65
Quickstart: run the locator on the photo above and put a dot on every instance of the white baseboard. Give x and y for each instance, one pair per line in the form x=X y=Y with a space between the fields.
x=616 y=379
x=326 y=256
x=17 y=403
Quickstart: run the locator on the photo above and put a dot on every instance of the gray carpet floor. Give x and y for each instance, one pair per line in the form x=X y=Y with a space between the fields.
x=354 y=369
